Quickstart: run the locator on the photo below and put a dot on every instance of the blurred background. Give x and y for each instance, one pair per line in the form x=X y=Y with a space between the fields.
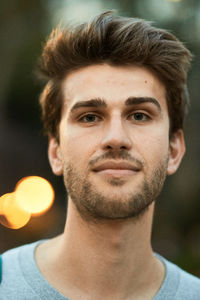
x=24 y=26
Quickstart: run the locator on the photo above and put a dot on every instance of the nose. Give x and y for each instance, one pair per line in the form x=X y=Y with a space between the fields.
x=116 y=136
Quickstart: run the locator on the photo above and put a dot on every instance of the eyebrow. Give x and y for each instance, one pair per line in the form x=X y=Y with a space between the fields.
x=98 y=102
x=139 y=100
x=101 y=103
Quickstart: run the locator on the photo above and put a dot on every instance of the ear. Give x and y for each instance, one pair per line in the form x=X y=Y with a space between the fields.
x=176 y=151
x=55 y=157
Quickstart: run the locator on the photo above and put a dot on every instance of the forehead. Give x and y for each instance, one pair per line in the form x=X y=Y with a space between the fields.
x=115 y=84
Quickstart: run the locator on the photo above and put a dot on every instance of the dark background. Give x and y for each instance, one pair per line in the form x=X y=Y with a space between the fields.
x=24 y=26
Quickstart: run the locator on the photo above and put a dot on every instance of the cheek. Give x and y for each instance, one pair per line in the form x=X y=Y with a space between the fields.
x=77 y=148
x=161 y=151
x=155 y=147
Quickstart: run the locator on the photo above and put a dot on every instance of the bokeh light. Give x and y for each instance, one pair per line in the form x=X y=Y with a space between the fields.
x=11 y=214
x=34 y=194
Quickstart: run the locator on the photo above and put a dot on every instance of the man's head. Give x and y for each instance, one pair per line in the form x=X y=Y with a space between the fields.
x=116 y=92
x=117 y=41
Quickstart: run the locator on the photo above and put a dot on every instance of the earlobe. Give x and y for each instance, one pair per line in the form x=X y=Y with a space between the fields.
x=176 y=151
x=55 y=157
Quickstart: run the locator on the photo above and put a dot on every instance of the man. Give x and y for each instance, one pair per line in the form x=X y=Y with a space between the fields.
x=113 y=109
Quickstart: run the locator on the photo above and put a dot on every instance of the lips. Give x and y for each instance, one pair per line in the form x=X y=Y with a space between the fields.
x=116 y=168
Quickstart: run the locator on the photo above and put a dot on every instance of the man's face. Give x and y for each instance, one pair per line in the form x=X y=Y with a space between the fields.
x=114 y=149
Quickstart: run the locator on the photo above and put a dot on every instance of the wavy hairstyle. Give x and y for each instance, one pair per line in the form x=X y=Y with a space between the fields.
x=118 y=41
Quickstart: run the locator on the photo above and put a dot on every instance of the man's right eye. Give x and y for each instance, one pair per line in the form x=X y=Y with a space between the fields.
x=89 y=118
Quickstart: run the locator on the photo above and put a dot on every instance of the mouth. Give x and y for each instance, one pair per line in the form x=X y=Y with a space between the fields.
x=116 y=169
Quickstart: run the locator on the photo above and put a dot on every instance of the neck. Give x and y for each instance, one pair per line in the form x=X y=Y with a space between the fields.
x=112 y=237
x=109 y=258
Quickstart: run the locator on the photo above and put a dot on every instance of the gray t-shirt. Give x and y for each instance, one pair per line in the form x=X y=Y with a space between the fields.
x=22 y=280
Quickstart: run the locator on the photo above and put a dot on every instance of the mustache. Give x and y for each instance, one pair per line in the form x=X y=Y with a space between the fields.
x=124 y=155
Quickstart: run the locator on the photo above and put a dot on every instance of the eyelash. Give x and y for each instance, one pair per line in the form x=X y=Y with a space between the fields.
x=81 y=119
x=147 y=117
x=90 y=114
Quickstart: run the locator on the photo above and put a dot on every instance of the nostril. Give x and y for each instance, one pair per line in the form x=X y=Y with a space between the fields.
x=116 y=140
x=109 y=147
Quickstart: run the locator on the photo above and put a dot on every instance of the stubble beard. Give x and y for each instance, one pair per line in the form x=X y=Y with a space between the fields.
x=93 y=205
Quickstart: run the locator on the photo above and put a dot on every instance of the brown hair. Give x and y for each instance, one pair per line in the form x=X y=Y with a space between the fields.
x=117 y=41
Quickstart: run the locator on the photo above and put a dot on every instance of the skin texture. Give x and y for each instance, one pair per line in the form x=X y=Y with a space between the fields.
x=110 y=204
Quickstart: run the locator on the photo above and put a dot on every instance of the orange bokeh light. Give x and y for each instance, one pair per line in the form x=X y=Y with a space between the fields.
x=11 y=214
x=34 y=194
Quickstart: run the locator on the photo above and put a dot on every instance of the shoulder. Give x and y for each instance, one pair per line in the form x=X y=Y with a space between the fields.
x=14 y=284
x=189 y=285
x=178 y=284
x=11 y=259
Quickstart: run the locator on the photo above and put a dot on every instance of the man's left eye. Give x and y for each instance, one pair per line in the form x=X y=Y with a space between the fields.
x=138 y=116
